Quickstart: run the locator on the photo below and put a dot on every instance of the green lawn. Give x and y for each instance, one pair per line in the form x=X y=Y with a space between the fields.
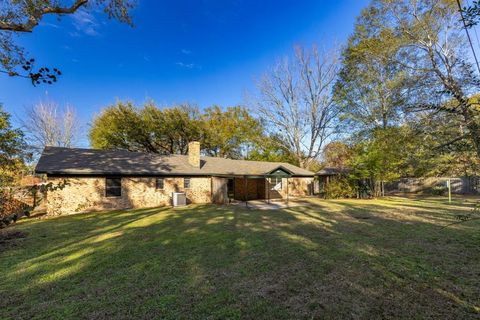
x=332 y=259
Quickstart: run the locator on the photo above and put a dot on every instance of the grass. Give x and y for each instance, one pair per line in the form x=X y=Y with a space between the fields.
x=361 y=259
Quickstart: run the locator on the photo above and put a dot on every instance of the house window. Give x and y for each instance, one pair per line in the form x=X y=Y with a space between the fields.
x=113 y=187
x=159 y=183
x=186 y=183
x=275 y=183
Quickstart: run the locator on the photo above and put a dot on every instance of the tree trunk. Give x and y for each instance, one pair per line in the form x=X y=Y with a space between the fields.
x=301 y=162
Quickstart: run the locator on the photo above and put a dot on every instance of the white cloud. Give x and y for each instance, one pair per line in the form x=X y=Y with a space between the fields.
x=84 y=22
x=188 y=65
x=187 y=52
x=48 y=24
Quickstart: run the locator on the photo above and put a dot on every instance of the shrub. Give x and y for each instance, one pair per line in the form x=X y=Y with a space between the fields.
x=9 y=205
x=11 y=209
x=439 y=190
x=340 y=187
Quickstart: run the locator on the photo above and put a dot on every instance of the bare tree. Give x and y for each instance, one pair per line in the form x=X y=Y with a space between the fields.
x=47 y=124
x=295 y=99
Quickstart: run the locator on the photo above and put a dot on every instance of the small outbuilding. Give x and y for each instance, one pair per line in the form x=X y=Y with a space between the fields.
x=324 y=176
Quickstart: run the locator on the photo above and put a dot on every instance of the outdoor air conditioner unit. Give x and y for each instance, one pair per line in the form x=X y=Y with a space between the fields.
x=179 y=199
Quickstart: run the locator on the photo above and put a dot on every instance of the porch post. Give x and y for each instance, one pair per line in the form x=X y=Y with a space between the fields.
x=287 y=190
x=267 y=189
x=245 y=191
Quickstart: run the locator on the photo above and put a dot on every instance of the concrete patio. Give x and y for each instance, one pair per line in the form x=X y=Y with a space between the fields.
x=272 y=205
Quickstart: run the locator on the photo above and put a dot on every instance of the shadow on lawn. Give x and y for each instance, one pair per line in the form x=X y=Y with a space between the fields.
x=228 y=262
x=427 y=211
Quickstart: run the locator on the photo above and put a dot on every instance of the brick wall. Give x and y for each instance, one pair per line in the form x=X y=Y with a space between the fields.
x=88 y=194
x=299 y=187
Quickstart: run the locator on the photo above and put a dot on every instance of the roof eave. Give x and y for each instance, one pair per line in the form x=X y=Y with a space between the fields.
x=113 y=173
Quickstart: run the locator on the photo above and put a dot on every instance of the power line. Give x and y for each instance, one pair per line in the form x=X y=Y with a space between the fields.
x=474 y=27
x=468 y=34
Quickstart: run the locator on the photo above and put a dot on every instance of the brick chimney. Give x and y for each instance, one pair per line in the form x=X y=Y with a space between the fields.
x=194 y=154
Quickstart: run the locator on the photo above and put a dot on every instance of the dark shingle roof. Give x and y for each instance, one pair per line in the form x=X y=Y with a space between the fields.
x=75 y=161
x=331 y=171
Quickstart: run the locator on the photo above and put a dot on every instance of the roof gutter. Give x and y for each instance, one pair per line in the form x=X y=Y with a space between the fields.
x=153 y=174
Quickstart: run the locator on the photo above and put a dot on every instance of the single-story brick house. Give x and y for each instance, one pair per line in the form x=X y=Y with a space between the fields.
x=117 y=179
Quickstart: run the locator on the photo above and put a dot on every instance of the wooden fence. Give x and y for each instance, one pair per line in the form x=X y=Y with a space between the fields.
x=460 y=185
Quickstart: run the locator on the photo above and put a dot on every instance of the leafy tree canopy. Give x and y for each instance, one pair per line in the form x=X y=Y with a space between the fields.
x=371 y=87
x=336 y=154
x=271 y=148
x=407 y=92
x=168 y=131
x=226 y=132
x=12 y=149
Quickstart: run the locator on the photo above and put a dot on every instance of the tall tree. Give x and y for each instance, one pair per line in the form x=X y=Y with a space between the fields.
x=47 y=124
x=295 y=101
x=381 y=157
x=169 y=130
x=121 y=126
x=439 y=147
x=23 y=16
x=227 y=132
x=370 y=87
x=432 y=49
x=270 y=148
x=337 y=154
x=13 y=149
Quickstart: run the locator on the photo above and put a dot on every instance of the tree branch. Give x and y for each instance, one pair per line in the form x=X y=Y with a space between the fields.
x=37 y=14
x=443 y=145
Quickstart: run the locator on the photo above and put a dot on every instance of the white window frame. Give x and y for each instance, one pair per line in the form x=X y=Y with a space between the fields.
x=276 y=183
x=189 y=183
x=110 y=188
x=156 y=183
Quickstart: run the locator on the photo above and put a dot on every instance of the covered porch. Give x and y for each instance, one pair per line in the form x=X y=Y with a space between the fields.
x=269 y=187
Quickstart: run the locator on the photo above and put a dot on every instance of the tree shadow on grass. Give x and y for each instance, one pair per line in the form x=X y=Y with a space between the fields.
x=436 y=213
x=229 y=262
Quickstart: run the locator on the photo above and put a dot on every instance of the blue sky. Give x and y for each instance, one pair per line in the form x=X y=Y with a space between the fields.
x=204 y=52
